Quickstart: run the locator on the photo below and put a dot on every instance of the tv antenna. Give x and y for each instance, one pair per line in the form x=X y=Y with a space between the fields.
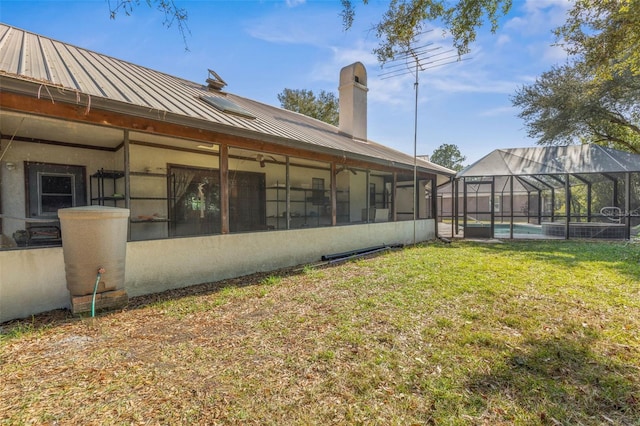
x=413 y=60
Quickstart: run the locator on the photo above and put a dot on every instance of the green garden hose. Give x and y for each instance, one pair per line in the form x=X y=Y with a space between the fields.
x=95 y=290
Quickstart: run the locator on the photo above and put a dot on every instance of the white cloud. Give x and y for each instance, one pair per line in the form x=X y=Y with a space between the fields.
x=283 y=33
x=297 y=25
x=472 y=84
x=503 y=39
x=555 y=54
x=499 y=111
x=534 y=6
x=539 y=16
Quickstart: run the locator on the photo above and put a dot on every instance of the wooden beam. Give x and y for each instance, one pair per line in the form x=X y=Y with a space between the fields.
x=58 y=143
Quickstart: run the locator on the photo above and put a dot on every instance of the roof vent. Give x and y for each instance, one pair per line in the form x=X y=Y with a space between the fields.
x=215 y=82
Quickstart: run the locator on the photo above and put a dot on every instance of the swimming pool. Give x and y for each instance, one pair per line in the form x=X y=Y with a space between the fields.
x=518 y=228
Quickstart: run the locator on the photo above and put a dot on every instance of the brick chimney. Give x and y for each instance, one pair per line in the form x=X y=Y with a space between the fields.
x=353 y=101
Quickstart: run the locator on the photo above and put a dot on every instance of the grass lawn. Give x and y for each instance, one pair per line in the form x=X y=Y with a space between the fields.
x=462 y=334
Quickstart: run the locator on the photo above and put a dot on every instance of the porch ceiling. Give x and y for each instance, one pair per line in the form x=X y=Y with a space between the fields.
x=42 y=128
x=71 y=132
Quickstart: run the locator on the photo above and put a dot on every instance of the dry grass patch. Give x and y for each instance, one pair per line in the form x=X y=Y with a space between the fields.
x=518 y=333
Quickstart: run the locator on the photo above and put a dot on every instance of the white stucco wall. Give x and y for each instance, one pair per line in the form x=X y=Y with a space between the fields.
x=33 y=280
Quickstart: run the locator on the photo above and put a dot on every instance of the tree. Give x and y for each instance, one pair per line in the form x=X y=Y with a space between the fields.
x=324 y=107
x=605 y=35
x=449 y=156
x=404 y=20
x=568 y=105
x=595 y=97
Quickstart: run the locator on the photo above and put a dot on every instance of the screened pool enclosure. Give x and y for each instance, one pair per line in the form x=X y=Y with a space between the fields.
x=577 y=191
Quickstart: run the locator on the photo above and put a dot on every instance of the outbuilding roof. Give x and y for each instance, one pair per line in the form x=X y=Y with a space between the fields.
x=121 y=85
x=553 y=160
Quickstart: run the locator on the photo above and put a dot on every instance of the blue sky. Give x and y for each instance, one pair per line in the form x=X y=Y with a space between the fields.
x=262 y=47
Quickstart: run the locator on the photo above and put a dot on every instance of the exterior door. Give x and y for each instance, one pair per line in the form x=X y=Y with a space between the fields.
x=478 y=206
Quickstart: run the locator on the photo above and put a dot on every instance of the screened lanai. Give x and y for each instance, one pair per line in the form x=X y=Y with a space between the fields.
x=563 y=192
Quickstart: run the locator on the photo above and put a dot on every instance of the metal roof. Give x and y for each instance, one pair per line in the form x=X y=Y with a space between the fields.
x=44 y=61
x=553 y=160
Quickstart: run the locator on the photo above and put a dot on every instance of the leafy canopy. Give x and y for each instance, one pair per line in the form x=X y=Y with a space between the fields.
x=404 y=20
x=324 y=107
x=568 y=105
x=596 y=96
x=449 y=156
x=605 y=35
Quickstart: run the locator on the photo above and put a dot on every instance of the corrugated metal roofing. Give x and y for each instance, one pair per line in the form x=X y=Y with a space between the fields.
x=37 y=58
x=551 y=160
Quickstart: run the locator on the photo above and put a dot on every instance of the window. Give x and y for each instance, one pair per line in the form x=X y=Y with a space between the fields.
x=52 y=187
x=56 y=192
x=497 y=204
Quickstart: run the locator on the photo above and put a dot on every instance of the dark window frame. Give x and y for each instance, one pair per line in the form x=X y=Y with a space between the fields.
x=35 y=171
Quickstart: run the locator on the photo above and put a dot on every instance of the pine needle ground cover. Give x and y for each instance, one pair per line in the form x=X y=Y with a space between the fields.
x=529 y=333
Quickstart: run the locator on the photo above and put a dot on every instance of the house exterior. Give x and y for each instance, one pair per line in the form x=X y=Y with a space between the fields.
x=217 y=185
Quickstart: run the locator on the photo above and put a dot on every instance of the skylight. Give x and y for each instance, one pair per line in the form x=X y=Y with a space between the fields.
x=226 y=106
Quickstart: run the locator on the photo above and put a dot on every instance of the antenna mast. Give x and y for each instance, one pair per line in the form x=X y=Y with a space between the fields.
x=413 y=60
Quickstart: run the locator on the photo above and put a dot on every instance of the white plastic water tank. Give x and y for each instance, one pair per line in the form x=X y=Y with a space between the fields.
x=94 y=237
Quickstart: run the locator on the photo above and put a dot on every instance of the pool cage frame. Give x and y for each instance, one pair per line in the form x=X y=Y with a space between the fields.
x=584 y=201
